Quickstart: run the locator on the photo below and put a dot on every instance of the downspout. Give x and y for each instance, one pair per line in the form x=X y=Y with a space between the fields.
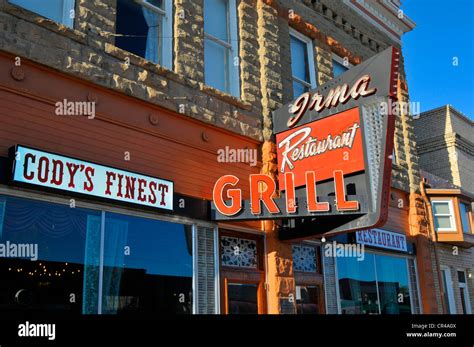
x=431 y=230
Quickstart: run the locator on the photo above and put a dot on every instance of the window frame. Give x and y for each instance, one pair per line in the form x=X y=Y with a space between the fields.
x=451 y=215
x=464 y=285
x=312 y=84
x=166 y=46
x=446 y=271
x=232 y=85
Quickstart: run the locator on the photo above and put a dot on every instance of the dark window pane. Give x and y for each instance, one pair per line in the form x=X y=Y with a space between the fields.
x=445 y=286
x=141 y=29
x=461 y=277
x=308 y=301
x=242 y=298
x=65 y=275
x=147 y=266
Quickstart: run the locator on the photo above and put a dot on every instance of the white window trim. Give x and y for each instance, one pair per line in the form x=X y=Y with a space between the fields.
x=311 y=66
x=340 y=60
x=233 y=85
x=166 y=30
x=451 y=215
x=449 y=289
x=466 y=297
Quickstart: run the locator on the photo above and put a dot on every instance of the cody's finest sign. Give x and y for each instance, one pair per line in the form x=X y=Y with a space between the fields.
x=333 y=152
x=55 y=171
x=382 y=239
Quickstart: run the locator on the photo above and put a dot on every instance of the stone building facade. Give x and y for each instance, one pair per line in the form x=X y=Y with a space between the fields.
x=445 y=140
x=87 y=51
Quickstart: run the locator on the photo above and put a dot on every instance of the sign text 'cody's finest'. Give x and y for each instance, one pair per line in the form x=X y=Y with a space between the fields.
x=53 y=171
x=333 y=153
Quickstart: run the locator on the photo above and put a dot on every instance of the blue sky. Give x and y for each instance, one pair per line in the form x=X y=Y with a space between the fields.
x=444 y=30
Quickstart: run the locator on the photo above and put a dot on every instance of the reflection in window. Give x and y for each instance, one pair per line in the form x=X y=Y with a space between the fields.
x=242 y=298
x=378 y=284
x=61 y=11
x=144 y=28
x=68 y=245
x=392 y=279
x=147 y=266
x=308 y=299
x=357 y=286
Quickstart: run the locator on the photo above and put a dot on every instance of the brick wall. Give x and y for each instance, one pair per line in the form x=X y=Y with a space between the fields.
x=446 y=145
x=456 y=258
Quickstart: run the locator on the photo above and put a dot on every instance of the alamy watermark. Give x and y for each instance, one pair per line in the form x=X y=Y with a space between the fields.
x=19 y=250
x=75 y=108
x=28 y=329
x=339 y=250
x=398 y=108
x=240 y=155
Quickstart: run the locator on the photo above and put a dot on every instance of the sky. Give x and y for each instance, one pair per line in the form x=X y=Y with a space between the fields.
x=444 y=31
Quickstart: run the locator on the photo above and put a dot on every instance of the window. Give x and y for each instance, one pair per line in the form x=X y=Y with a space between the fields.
x=464 y=293
x=443 y=216
x=242 y=298
x=112 y=263
x=308 y=299
x=465 y=213
x=61 y=11
x=339 y=66
x=377 y=285
x=144 y=28
x=448 y=290
x=302 y=63
x=221 y=62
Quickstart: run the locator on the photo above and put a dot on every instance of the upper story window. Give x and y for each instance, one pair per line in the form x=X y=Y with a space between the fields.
x=339 y=65
x=61 y=11
x=144 y=28
x=465 y=212
x=221 y=61
x=302 y=63
x=443 y=215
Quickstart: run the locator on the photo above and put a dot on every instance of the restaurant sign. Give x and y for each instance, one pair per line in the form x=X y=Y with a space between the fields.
x=334 y=146
x=382 y=239
x=53 y=171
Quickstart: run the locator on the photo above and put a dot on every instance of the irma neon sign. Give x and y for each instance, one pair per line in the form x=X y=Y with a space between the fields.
x=53 y=171
x=338 y=95
x=333 y=147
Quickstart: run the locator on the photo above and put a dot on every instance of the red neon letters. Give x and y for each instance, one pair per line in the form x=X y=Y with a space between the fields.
x=263 y=187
